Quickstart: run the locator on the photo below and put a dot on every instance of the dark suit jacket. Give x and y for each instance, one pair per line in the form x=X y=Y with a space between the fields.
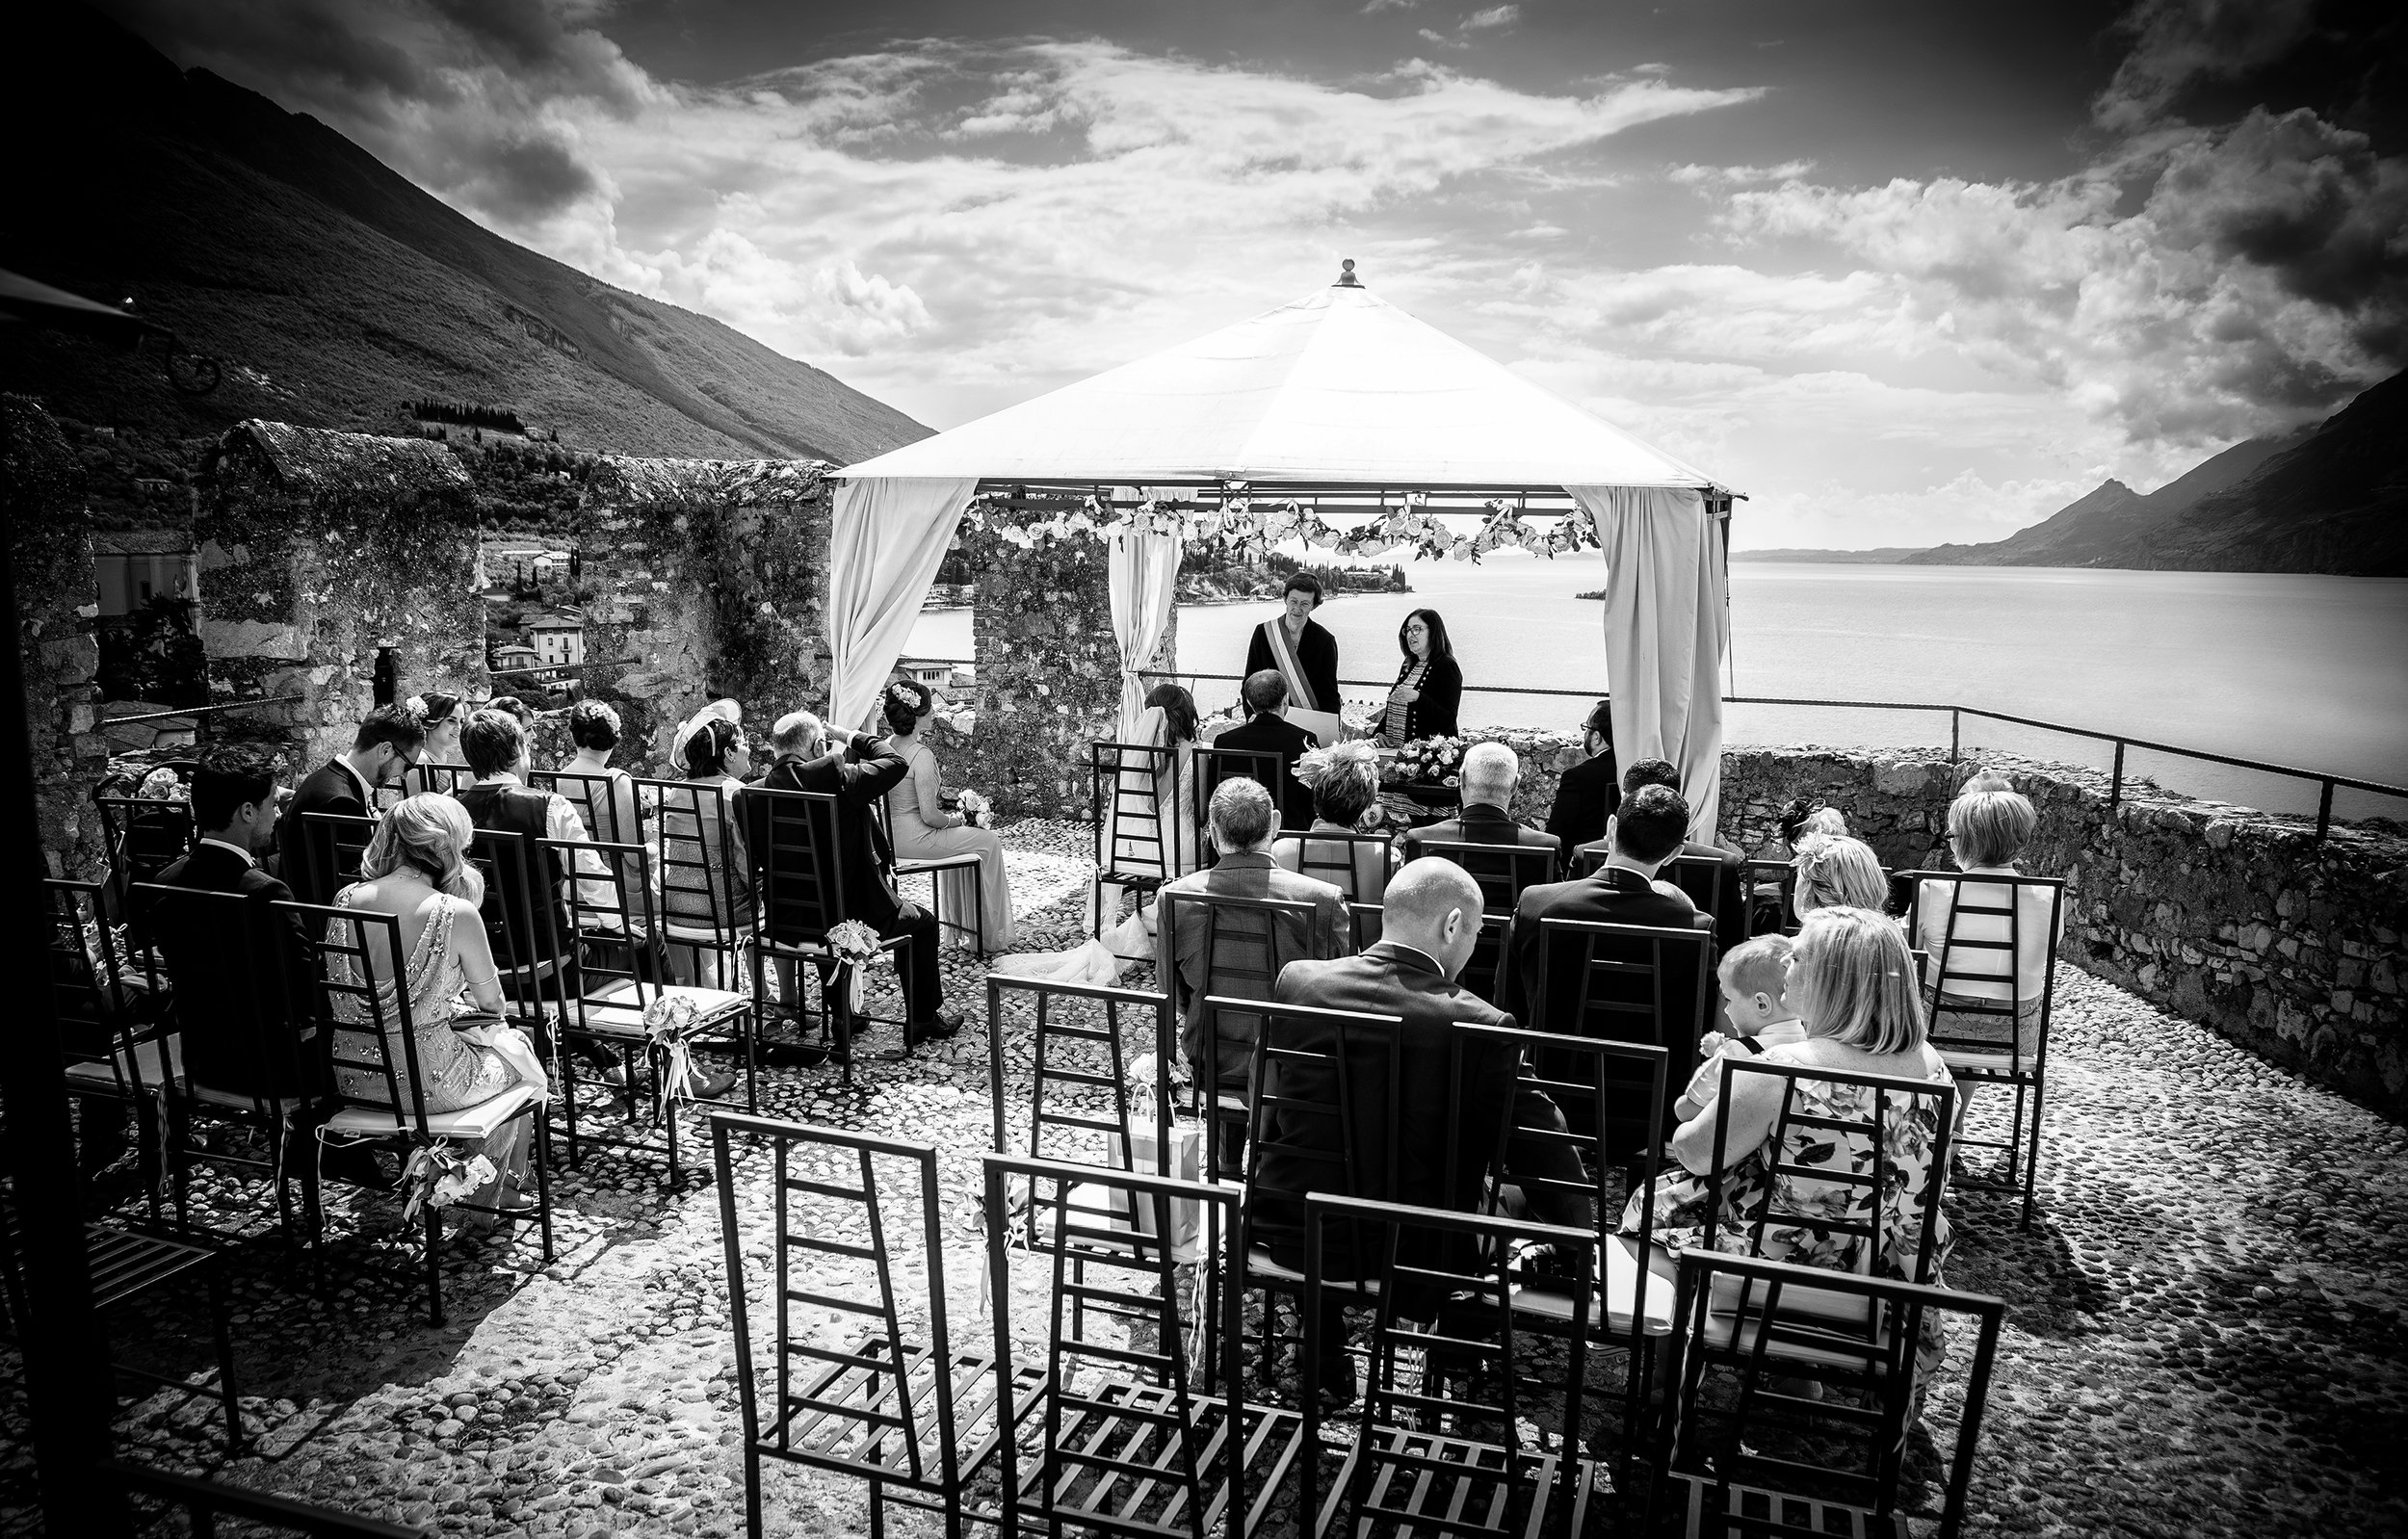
x=241 y=1012
x=1316 y=652
x=1388 y=981
x=310 y=872
x=1585 y=796
x=1479 y=824
x=1614 y=895
x=858 y=779
x=1273 y=734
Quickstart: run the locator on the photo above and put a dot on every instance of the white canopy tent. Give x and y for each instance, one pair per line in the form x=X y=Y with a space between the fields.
x=1338 y=389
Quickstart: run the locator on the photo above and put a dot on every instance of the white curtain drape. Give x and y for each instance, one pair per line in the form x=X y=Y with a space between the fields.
x=1667 y=630
x=1145 y=573
x=891 y=535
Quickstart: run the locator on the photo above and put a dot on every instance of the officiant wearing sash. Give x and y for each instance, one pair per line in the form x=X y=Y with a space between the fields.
x=1305 y=654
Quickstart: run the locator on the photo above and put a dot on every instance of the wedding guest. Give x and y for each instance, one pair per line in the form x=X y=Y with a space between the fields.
x=1344 y=779
x=1429 y=686
x=1268 y=731
x=1987 y=831
x=1757 y=1015
x=388 y=741
x=416 y=870
x=922 y=830
x=1853 y=983
x=1587 y=793
x=1729 y=895
x=1837 y=872
x=1242 y=822
x=241 y=1031
x=1647 y=832
x=1490 y=771
x=1149 y=815
x=602 y=795
x=859 y=771
x=444 y=717
x=1291 y=645
x=706 y=871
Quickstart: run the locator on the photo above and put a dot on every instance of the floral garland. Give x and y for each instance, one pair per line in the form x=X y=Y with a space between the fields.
x=440 y=1174
x=1424 y=761
x=1241 y=528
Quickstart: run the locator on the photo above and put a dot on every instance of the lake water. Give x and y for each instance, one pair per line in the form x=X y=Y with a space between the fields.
x=2306 y=672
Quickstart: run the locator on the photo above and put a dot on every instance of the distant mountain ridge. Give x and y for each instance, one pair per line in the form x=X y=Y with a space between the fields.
x=333 y=289
x=2330 y=498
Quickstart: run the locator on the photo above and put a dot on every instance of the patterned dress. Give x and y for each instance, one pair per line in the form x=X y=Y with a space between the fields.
x=452 y=1071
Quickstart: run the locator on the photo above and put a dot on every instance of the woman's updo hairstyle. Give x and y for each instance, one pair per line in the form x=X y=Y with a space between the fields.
x=1837 y=872
x=592 y=725
x=435 y=706
x=1178 y=709
x=706 y=751
x=1852 y=979
x=906 y=702
x=1344 y=779
x=429 y=834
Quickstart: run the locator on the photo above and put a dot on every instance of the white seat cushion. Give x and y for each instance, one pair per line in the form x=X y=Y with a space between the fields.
x=234 y=1100
x=1819 y=1304
x=1982 y=1059
x=1622 y=1271
x=704 y=935
x=156 y=1062
x=712 y=1005
x=1730 y=1332
x=468 y=1122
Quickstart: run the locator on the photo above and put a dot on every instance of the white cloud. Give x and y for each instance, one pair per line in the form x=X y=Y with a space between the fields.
x=1491 y=17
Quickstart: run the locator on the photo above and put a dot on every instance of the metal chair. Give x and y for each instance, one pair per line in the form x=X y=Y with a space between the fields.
x=799 y=896
x=1770 y=1462
x=231 y=964
x=336 y=843
x=1627 y=983
x=1502 y=872
x=1138 y=844
x=1982 y=947
x=141 y=836
x=1118 y=1437
x=201 y=1502
x=120 y=1053
x=1322 y=1100
x=698 y=853
x=362 y=1010
x=612 y=993
x=1337 y=859
x=918 y=1419
x=935 y=869
x=124 y=1265
x=1445 y=1440
x=444 y=779
x=1242 y=953
x=1719 y=890
x=1072 y=1064
x=1771 y=887
x=1632 y=1309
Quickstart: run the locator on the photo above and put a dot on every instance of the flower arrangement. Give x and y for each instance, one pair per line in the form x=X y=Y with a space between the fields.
x=668 y=1022
x=1428 y=761
x=856 y=946
x=440 y=1174
x=975 y=810
x=163 y=784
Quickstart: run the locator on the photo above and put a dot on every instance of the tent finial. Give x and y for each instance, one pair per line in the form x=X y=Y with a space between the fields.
x=1345 y=276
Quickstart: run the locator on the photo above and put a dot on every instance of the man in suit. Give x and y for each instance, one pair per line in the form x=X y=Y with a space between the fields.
x=1588 y=792
x=1242 y=822
x=1729 y=898
x=242 y=1024
x=858 y=770
x=1267 y=730
x=388 y=741
x=1489 y=771
x=1647 y=831
x=1433 y=921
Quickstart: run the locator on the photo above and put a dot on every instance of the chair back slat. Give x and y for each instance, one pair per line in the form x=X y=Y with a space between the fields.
x=620 y=960
x=90 y=986
x=1627 y=983
x=1719 y=890
x=798 y=879
x=238 y=996
x=1242 y=955
x=1502 y=870
x=360 y=1006
x=1133 y=801
x=1973 y=961
x=1211 y=767
x=1323 y=1092
x=1076 y=1060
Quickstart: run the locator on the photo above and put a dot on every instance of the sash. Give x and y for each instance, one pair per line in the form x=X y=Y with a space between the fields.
x=1283 y=657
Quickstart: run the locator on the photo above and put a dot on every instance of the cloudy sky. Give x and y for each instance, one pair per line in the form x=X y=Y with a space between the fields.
x=1903 y=272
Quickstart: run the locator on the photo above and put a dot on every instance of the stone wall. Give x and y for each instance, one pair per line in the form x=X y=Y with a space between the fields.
x=1049 y=672
x=712 y=576
x=318 y=549
x=43 y=487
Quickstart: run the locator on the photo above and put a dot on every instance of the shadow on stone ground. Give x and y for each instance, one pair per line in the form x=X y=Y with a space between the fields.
x=2205 y=1333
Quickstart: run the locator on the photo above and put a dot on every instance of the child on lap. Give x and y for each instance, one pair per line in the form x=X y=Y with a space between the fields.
x=1754 y=1010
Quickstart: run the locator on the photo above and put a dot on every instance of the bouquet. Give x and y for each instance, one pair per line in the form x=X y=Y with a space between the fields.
x=669 y=1020
x=1426 y=761
x=163 y=784
x=975 y=810
x=440 y=1174
x=855 y=945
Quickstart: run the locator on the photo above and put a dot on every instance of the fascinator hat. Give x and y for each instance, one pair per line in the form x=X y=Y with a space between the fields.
x=727 y=711
x=1318 y=767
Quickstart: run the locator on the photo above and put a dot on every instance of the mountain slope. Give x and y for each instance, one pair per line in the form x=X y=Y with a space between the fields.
x=2064 y=538
x=333 y=289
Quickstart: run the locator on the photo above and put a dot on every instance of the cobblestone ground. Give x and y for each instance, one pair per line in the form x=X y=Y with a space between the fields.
x=2205 y=1335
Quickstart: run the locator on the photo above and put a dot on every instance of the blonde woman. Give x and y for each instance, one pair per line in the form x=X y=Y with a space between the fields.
x=1837 y=872
x=1852 y=983
x=414 y=870
x=1987 y=830
x=1344 y=779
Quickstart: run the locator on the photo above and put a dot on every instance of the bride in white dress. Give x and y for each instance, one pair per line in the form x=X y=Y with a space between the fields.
x=1144 y=839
